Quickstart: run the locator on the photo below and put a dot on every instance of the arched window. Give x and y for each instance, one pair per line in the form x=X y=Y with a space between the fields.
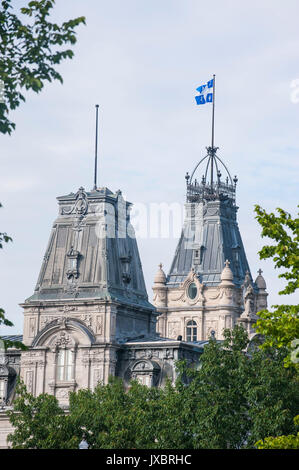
x=191 y=331
x=65 y=365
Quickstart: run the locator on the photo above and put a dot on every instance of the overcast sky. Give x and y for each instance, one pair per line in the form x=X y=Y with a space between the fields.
x=142 y=60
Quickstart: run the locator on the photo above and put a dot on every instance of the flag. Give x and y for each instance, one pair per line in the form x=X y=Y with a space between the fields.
x=205 y=93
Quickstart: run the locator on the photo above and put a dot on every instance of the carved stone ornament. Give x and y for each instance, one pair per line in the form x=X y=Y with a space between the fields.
x=72 y=288
x=73 y=258
x=63 y=340
x=141 y=366
x=249 y=302
x=227 y=293
x=160 y=294
x=58 y=319
x=81 y=205
x=63 y=393
x=87 y=319
x=173 y=329
x=168 y=353
x=192 y=278
x=67 y=308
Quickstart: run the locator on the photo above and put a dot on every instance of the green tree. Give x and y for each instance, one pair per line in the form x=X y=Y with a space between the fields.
x=39 y=423
x=4 y=238
x=282 y=442
x=232 y=400
x=241 y=397
x=280 y=327
x=30 y=53
x=113 y=418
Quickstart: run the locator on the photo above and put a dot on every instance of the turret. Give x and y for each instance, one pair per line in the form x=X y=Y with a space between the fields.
x=261 y=302
x=159 y=288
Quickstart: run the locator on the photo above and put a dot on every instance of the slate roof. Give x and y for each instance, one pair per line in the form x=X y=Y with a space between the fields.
x=210 y=235
x=92 y=252
x=12 y=337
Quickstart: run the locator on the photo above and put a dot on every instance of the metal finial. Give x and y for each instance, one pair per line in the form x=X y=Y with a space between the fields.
x=96 y=150
x=260 y=272
x=235 y=180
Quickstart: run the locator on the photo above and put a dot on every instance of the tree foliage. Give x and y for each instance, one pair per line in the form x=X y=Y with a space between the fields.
x=30 y=52
x=4 y=238
x=284 y=230
x=282 y=442
x=231 y=401
x=280 y=327
x=39 y=422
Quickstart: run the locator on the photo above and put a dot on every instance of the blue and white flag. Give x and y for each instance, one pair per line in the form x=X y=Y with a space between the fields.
x=205 y=93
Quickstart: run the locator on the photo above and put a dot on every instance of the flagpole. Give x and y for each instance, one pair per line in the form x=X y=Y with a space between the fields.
x=96 y=150
x=213 y=119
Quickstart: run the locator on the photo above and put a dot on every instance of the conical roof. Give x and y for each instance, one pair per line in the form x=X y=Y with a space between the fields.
x=260 y=281
x=90 y=254
x=210 y=233
x=227 y=274
x=160 y=277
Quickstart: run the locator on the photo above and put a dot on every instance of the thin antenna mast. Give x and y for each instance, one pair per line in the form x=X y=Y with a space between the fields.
x=96 y=150
x=213 y=114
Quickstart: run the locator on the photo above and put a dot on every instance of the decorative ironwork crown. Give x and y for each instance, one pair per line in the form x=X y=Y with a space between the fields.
x=211 y=187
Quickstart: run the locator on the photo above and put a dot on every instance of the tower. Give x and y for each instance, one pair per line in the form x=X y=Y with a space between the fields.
x=90 y=296
x=209 y=286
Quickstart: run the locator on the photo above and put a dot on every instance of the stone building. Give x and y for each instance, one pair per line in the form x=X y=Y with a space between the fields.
x=89 y=316
x=209 y=286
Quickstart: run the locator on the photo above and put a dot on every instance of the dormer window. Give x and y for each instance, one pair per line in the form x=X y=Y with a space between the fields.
x=192 y=291
x=126 y=261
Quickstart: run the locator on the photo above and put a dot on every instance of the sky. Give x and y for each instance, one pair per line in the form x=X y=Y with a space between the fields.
x=142 y=61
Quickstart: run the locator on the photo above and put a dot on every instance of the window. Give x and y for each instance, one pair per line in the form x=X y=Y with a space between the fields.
x=192 y=291
x=191 y=331
x=65 y=365
x=2 y=391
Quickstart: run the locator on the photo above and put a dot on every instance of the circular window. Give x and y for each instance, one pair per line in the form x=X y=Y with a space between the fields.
x=192 y=291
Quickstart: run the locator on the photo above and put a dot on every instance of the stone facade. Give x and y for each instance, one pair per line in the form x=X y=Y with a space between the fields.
x=90 y=300
x=209 y=286
x=89 y=316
